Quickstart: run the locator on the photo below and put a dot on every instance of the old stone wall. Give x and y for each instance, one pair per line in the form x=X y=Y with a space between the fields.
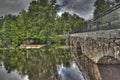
x=97 y=47
x=98 y=53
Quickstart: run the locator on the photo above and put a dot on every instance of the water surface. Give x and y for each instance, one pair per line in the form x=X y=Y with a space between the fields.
x=38 y=64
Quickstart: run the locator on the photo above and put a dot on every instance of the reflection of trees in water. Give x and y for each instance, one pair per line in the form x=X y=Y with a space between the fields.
x=37 y=64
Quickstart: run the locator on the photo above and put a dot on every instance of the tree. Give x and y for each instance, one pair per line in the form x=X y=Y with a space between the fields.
x=101 y=6
x=40 y=21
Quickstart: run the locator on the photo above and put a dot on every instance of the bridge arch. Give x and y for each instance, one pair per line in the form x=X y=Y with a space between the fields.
x=107 y=59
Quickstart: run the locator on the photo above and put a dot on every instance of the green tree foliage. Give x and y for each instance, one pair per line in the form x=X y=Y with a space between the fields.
x=101 y=5
x=39 y=21
x=73 y=20
x=37 y=64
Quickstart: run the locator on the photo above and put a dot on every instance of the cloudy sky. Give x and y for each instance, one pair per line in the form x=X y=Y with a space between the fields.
x=13 y=6
x=83 y=8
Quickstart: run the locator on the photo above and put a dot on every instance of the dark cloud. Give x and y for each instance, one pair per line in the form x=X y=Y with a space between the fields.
x=13 y=6
x=83 y=8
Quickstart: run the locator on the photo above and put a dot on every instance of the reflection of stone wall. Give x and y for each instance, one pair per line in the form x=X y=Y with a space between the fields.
x=98 y=71
x=96 y=45
x=89 y=67
x=109 y=71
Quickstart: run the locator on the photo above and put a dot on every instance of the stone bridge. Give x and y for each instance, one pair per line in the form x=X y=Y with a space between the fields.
x=96 y=46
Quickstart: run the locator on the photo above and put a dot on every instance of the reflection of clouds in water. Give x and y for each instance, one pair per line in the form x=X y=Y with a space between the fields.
x=71 y=73
x=14 y=75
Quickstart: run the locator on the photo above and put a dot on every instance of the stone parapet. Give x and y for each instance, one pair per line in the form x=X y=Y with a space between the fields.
x=100 y=46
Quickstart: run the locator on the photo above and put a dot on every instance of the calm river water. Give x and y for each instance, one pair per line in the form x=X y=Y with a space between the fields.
x=38 y=64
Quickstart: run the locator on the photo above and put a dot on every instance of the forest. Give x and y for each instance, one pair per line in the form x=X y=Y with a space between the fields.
x=41 y=22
